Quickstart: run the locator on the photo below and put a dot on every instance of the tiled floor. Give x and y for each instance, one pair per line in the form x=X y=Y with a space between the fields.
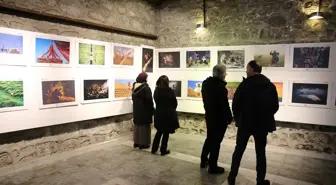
x=117 y=163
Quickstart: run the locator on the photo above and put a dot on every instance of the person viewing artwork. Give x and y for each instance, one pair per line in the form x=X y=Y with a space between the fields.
x=254 y=105
x=143 y=110
x=165 y=116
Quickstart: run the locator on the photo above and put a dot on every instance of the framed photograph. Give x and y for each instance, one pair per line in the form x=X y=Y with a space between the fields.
x=147 y=63
x=14 y=46
x=123 y=55
x=280 y=90
x=198 y=59
x=95 y=90
x=194 y=90
x=231 y=88
x=310 y=94
x=12 y=95
x=53 y=51
x=333 y=102
x=123 y=88
x=176 y=85
x=234 y=58
x=58 y=93
x=311 y=57
x=272 y=56
x=92 y=53
x=169 y=59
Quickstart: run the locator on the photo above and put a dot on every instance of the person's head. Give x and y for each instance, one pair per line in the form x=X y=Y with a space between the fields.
x=163 y=82
x=142 y=78
x=253 y=67
x=219 y=71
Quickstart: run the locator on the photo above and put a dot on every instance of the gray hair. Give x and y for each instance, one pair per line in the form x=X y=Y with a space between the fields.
x=219 y=70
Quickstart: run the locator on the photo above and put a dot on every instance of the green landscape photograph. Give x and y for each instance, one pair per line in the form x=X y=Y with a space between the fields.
x=90 y=54
x=11 y=94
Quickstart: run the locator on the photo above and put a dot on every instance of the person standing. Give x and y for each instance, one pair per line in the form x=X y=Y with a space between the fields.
x=143 y=110
x=165 y=116
x=217 y=116
x=254 y=105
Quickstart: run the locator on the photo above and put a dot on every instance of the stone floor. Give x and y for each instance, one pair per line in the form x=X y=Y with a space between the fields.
x=117 y=163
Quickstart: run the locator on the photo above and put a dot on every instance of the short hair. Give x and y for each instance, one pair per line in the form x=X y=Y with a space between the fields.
x=256 y=66
x=218 y=70
x=163 y=81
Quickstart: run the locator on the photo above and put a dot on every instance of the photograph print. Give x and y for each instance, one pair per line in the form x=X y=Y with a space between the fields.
x=55 y=92
x=95 y=89
x=177 y=87
x=231 y=88
x=123 y=56
x=11 y=44
x=194 y=89
x=52 y=51
x=91 y=54
x=310 y=93
x=169 y=59
x=123 y=88
x=270 y=56
x=232 y=59
x=147 y=60
x=311 y=57
x=11 y=94
x=279 y=88
x=198 y=59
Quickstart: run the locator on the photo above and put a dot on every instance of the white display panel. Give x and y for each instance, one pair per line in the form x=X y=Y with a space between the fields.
x=234 y=58
x=272 y=57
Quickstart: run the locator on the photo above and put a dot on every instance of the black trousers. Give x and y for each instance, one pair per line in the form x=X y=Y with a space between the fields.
x=212 y=145
x=260 y=139
x=164 y=142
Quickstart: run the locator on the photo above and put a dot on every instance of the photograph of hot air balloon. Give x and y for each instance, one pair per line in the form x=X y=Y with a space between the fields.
x=48 y=51
x=123 y=55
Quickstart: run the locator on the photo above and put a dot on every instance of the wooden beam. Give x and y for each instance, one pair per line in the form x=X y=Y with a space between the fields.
x=44 y=16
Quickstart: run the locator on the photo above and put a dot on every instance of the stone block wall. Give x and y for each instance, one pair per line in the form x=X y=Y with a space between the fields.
x=289 y=135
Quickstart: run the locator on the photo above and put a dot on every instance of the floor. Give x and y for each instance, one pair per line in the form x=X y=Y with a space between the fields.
x=117 y=163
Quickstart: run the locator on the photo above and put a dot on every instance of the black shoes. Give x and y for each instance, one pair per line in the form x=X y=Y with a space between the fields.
x=204 y=164
x=165 y=152
x=135 y=145
x=264 y=182
x=216 y=170
x=141 y=146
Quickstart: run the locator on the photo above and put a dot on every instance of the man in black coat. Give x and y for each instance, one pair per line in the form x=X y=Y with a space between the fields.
x=254 y=105
x=217 y=115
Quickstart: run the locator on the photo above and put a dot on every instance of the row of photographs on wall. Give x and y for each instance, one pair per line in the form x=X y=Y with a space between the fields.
x=59 y=93
x=57 y=51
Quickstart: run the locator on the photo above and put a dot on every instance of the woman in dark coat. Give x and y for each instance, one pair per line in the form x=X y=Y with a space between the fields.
x=165 y=116
x=143 y=110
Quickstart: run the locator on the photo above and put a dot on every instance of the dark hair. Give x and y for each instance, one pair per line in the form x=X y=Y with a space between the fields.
x=163 y=82
x=256 y=66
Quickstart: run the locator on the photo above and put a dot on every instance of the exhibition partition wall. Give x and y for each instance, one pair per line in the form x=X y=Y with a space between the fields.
x=47 y=79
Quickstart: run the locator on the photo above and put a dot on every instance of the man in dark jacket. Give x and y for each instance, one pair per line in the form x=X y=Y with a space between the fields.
x=254 y=104
x=217 y=115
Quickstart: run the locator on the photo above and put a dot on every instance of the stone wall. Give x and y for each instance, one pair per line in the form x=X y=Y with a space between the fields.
x=288 y=135
x=25 y=145
x=243 y=22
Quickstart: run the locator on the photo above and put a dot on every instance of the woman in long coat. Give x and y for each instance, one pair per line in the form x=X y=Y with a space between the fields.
x=165 y=116
x=143 y=110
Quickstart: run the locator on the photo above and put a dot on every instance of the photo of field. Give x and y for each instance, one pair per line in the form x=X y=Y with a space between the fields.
x=90 y=54
x=279 y=88
x=11 y=44
x=194 y=89
x=270 y=56
x=54 y=92
x=52 y=51
x=232 y=87
x=123 y=56
x=123 y=88
x=11 y=94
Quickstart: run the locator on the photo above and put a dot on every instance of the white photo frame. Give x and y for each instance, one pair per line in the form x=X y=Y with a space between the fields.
x=15 y=108
x=56 y=105
x=265 y=52
x=333 y=100
x=295 y=48
x=113 y=57
x=43 y=38
x=213 y=58
x=328 y=98
x=122 y=82
x=181 y=81
x=246 y=53
x=108 y=99
x=284 y=86
x=168 y=50
x=106 y=46
x=15 y=56
x=197 y=89
x=150 y=60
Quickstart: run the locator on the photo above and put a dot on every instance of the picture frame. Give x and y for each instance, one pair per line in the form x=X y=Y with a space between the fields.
x=171 y=54
x=179 y=84
x=333 y=100
x=12 y=94
x=273 y=57
x=122 y=88
x=95 y=82
x=47 y=83
x=86 y=57
x=282 y=89
x=225 y=52
x=53 y=51
x=118 y=53
x=311 y=94
x=147 y=59
x=231 y=87
x=193 y=90
x=202 y=54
